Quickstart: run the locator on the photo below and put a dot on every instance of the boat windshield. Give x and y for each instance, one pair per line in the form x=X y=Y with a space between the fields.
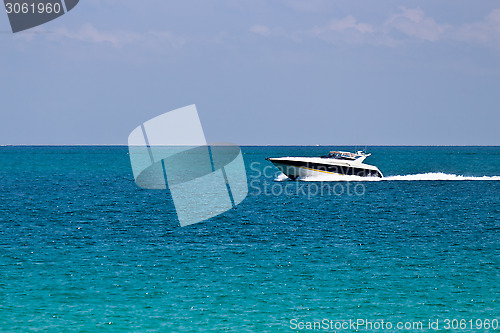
x=341 y=155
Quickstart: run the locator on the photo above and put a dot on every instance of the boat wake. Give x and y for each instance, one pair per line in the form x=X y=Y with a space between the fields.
x=421 y=176
x=440 y=176
x=281 y=177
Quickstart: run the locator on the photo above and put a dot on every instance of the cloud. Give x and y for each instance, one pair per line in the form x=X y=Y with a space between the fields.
x=88 y=33
x=414 y=23
x=117 y=39
x=486 y=31
x=260 y=30
x=407 y=25
x=345 y=30
x=348 y=23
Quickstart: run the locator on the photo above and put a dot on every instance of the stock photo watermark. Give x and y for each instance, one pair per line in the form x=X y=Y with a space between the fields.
x=26 y=14
x=262 y=180
x=170 y=152
x=358 y=325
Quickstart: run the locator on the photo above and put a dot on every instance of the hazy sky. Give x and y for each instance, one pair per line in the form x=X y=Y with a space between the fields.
x=271 y=72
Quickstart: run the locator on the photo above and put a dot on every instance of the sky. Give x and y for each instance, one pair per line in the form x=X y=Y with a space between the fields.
x=274 y=72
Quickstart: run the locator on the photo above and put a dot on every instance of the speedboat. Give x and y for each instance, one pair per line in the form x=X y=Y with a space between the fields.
x=340 y=163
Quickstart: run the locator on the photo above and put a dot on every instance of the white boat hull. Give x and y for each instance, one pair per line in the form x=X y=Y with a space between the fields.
x=294 y=167
x=294 y=172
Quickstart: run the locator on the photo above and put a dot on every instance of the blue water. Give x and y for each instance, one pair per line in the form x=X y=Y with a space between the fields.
x=82 y=248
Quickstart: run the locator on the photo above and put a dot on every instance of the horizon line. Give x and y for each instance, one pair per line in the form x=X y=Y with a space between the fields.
x=247 y=145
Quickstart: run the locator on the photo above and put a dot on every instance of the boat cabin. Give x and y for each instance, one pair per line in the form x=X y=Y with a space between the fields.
x=344 y=155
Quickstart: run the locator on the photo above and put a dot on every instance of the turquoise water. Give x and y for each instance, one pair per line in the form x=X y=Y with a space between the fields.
x=82 y=248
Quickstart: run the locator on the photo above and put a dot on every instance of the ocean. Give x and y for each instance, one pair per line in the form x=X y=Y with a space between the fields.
x=82 y=248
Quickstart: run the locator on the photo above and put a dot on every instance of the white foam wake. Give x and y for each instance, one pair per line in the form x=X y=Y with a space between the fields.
x=421 y=176
x=440 y=176
x=281 y=177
